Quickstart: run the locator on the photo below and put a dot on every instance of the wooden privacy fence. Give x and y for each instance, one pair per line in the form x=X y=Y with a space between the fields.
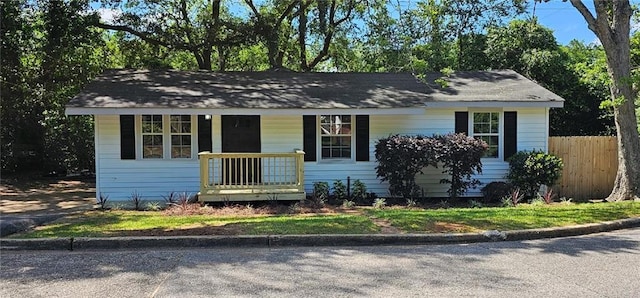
x=590 y=165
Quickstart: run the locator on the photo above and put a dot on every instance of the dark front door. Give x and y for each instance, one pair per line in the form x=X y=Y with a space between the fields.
x=241 y=134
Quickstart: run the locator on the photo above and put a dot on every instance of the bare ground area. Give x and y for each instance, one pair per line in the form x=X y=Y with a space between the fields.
x=45 y=196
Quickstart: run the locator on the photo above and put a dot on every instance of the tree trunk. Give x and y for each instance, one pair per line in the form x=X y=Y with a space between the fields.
x=627 y=183
x=612 y=26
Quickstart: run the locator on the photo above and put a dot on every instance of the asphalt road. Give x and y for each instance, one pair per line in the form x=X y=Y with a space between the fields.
x=601 y=265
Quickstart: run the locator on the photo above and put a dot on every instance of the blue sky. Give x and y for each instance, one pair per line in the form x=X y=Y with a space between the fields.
x=565 y=21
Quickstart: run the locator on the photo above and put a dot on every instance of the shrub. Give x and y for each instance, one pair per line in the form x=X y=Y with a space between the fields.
x=339 y=190
x=359 y=190
x=460 y=157
x=513 y=199
x=548 y=196
x=320 y=194
x=379 y=203
x=321 y=190
x=475 y=204
x=348 y=204
x=137 y=200
x=400 y=159
x=529 y=170
x=102 y=201
x=153 y=206
x=170 y=199
x=495 y=191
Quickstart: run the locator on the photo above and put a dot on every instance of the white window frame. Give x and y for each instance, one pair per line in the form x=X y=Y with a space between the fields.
x=352 y=135
x=500 y=133
x=166 y=138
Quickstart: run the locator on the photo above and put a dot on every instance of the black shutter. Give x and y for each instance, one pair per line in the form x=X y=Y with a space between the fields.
x=510 y=134
x=204 y=134
x=127 y=137
x=362 y=137
x=462 y=122
x=309 y=137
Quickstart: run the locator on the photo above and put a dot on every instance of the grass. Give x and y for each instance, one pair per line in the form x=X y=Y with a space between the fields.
x=521 y=217
x=120 y=223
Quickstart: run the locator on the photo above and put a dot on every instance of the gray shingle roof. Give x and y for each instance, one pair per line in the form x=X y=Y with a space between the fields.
x=291 y=90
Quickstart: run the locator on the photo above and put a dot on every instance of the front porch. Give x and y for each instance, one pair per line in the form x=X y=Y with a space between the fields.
x=226 y=177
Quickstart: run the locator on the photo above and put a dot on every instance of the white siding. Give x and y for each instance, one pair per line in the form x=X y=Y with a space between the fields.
x=155 y=178
x=152 y=179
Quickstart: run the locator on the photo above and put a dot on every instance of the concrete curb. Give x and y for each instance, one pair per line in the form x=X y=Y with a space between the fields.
x=310 y=240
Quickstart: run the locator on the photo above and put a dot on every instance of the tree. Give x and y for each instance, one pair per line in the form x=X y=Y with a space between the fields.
x=48 y=52
x=573 y=72
x=611 y=24
x=203 y=28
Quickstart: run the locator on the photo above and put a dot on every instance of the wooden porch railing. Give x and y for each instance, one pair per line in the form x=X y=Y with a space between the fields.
x=251 y=176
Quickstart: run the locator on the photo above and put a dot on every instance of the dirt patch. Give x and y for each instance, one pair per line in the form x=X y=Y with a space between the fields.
x=39 y=196
x=385 y=226
x=448 y=227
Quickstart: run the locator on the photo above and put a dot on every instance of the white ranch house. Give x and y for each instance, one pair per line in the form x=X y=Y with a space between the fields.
x=264 y=135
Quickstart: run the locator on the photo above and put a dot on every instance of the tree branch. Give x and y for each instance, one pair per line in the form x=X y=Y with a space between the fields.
x=144 y=36
x=584 y=11
x=253 y=7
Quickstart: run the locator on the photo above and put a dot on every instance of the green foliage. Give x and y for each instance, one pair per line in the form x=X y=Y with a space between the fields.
x=348 y=204
x=460 y=158
x=576 y=72
x=153 y=206
x=504 y=219
x=528 y=170
x=475 y=204
x=339 y=190
x=411 y=203
x=320 y=194
x=401 y=158
x=379 y=203
x=359 y=190
x=48 y=53
x=321 y=189
x=495 y=191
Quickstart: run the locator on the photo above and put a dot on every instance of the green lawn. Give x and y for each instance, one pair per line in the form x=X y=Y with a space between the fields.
x=118 y=223
x=126 y=223
x=521 y=217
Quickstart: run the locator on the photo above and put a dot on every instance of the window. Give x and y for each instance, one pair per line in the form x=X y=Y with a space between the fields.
x=180 y=136
x=152 y=144
x=335 y=136
x=166 y=133
x=486 y=127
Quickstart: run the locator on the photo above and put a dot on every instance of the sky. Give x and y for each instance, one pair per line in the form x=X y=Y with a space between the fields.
x=566 y=22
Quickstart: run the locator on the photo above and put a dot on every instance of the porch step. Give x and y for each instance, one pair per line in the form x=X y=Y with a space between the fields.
x=248 y=196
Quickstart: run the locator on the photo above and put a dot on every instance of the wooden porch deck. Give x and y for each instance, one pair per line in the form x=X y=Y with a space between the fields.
x=228 y=177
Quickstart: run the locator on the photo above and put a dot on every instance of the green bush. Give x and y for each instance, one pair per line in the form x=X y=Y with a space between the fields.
x=460 y=157
x=495 y=191
x=359 y=190
x=528 y=170
x=401 y=158
x=339 y=190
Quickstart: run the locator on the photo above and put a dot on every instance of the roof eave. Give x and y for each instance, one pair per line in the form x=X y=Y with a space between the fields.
x=495 y=104
x=69 y=111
